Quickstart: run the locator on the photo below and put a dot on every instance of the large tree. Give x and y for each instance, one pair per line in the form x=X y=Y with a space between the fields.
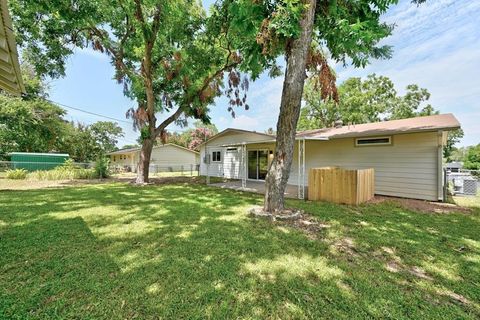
x=305 y=32
x=162 y=51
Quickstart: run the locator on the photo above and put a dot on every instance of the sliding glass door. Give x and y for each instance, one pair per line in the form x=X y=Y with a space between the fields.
x=257 y=164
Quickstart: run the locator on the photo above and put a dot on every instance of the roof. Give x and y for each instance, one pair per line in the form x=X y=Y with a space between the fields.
x=454 y=164
x=122 y=151
x=410 y=125
x=270 y=136
x=10 y=75
x=40 y=154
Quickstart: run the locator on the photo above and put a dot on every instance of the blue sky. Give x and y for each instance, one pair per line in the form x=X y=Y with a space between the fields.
x=436 y=45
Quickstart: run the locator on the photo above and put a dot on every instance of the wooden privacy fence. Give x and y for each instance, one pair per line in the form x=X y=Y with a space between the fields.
x=349 y=186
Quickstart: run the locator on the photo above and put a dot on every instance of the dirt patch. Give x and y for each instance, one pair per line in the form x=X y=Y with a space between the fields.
x=345 y=245
x=422 y=205
x=303 y=222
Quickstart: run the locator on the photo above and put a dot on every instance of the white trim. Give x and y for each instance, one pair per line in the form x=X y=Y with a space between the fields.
x=220 y=152
x=375 y=143
x=440 y=166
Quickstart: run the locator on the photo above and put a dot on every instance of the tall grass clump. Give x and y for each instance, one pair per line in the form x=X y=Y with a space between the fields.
x=67 y=171
x=17 y=174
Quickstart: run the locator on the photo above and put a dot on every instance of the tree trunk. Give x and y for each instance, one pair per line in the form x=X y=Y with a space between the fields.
x=144 y=161
x=279 y=170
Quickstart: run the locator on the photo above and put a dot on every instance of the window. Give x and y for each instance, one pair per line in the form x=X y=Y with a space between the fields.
x=232 y=149
x=374 y=141
x=216 y=156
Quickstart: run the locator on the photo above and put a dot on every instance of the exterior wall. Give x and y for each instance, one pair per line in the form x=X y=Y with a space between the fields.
x=119 y=160
x=163 y=156
x=407 y=168
x=231 y=165
x=168 y=156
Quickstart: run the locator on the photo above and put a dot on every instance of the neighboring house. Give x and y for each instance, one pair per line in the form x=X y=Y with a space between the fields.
x=454 y=166
x=164 y=157
x=406 y=154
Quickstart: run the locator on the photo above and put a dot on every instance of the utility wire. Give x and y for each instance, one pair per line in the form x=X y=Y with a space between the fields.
x=100 y=115
x=88 y=112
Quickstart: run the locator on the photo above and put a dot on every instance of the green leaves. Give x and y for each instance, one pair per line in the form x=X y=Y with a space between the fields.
x=361 y=101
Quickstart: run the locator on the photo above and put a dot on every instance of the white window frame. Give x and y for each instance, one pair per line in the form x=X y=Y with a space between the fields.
x=389 y=143
x=220 y=153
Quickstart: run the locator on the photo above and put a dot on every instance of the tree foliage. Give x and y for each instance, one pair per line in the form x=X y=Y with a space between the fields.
x=163 y=52
x=361 y=101
x=472 y=158
x=193 y=137
x=454 y=137
x=106 y=134
x=33 y=124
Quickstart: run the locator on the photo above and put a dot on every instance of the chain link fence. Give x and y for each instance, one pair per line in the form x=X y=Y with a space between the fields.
x=116 y=170
x=463 y=182
x=156 y=170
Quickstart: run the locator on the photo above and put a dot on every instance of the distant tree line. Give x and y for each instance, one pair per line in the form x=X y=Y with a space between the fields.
x=33 y=124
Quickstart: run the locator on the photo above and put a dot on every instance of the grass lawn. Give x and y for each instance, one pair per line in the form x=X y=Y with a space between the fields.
x=187 y=251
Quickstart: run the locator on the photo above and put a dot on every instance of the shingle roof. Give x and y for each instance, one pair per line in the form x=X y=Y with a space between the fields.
x=418 y=124
x=122 y=151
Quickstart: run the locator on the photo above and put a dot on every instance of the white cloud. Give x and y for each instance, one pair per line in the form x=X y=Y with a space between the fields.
x=246 y=122
x=437 y=46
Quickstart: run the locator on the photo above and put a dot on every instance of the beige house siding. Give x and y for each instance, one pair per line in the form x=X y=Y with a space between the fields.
x=407 y=168
x=126 y=159
x=169 y=155
x=163 y=156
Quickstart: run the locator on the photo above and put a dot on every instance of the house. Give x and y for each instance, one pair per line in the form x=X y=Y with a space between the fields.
x=165 y=157
x=454 y=166
x=406 y=154
x=10 y=75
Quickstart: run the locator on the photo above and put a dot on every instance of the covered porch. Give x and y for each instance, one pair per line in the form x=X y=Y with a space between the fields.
x=251 y=165
x=254 y=187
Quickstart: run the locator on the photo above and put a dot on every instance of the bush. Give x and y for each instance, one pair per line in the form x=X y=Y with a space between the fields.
x=63 y=173
x=101 y=167
x=17 y=174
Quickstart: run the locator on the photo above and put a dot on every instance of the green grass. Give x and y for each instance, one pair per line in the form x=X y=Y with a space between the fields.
x=467 y=201
x=116 y=251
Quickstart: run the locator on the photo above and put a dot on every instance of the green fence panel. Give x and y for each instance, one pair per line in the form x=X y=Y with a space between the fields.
x=37 y=161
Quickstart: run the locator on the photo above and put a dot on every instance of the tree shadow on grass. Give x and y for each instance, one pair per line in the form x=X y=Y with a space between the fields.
x=189 y=251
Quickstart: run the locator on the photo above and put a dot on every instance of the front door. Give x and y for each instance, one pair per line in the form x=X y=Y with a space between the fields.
x=257 y=164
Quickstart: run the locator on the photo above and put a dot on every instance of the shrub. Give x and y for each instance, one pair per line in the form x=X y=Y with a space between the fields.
x=17 y=174
x=101 y=167
x=62 y=173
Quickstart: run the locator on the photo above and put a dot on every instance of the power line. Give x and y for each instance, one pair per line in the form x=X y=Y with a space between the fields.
x=89 y=112
x=101 y=115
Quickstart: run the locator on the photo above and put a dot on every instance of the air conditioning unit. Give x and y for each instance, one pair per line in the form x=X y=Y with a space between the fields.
x=470 y=187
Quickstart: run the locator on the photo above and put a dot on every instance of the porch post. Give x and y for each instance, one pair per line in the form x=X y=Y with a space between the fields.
x=244 y=165
x=301 y=169
x=207 y=162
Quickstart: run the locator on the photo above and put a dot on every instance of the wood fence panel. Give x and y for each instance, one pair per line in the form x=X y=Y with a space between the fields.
x=349 y=186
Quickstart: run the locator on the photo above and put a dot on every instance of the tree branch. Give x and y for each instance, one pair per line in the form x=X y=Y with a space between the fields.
x=169 y=120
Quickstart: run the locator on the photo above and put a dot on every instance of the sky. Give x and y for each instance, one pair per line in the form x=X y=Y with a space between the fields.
x=435 y=45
